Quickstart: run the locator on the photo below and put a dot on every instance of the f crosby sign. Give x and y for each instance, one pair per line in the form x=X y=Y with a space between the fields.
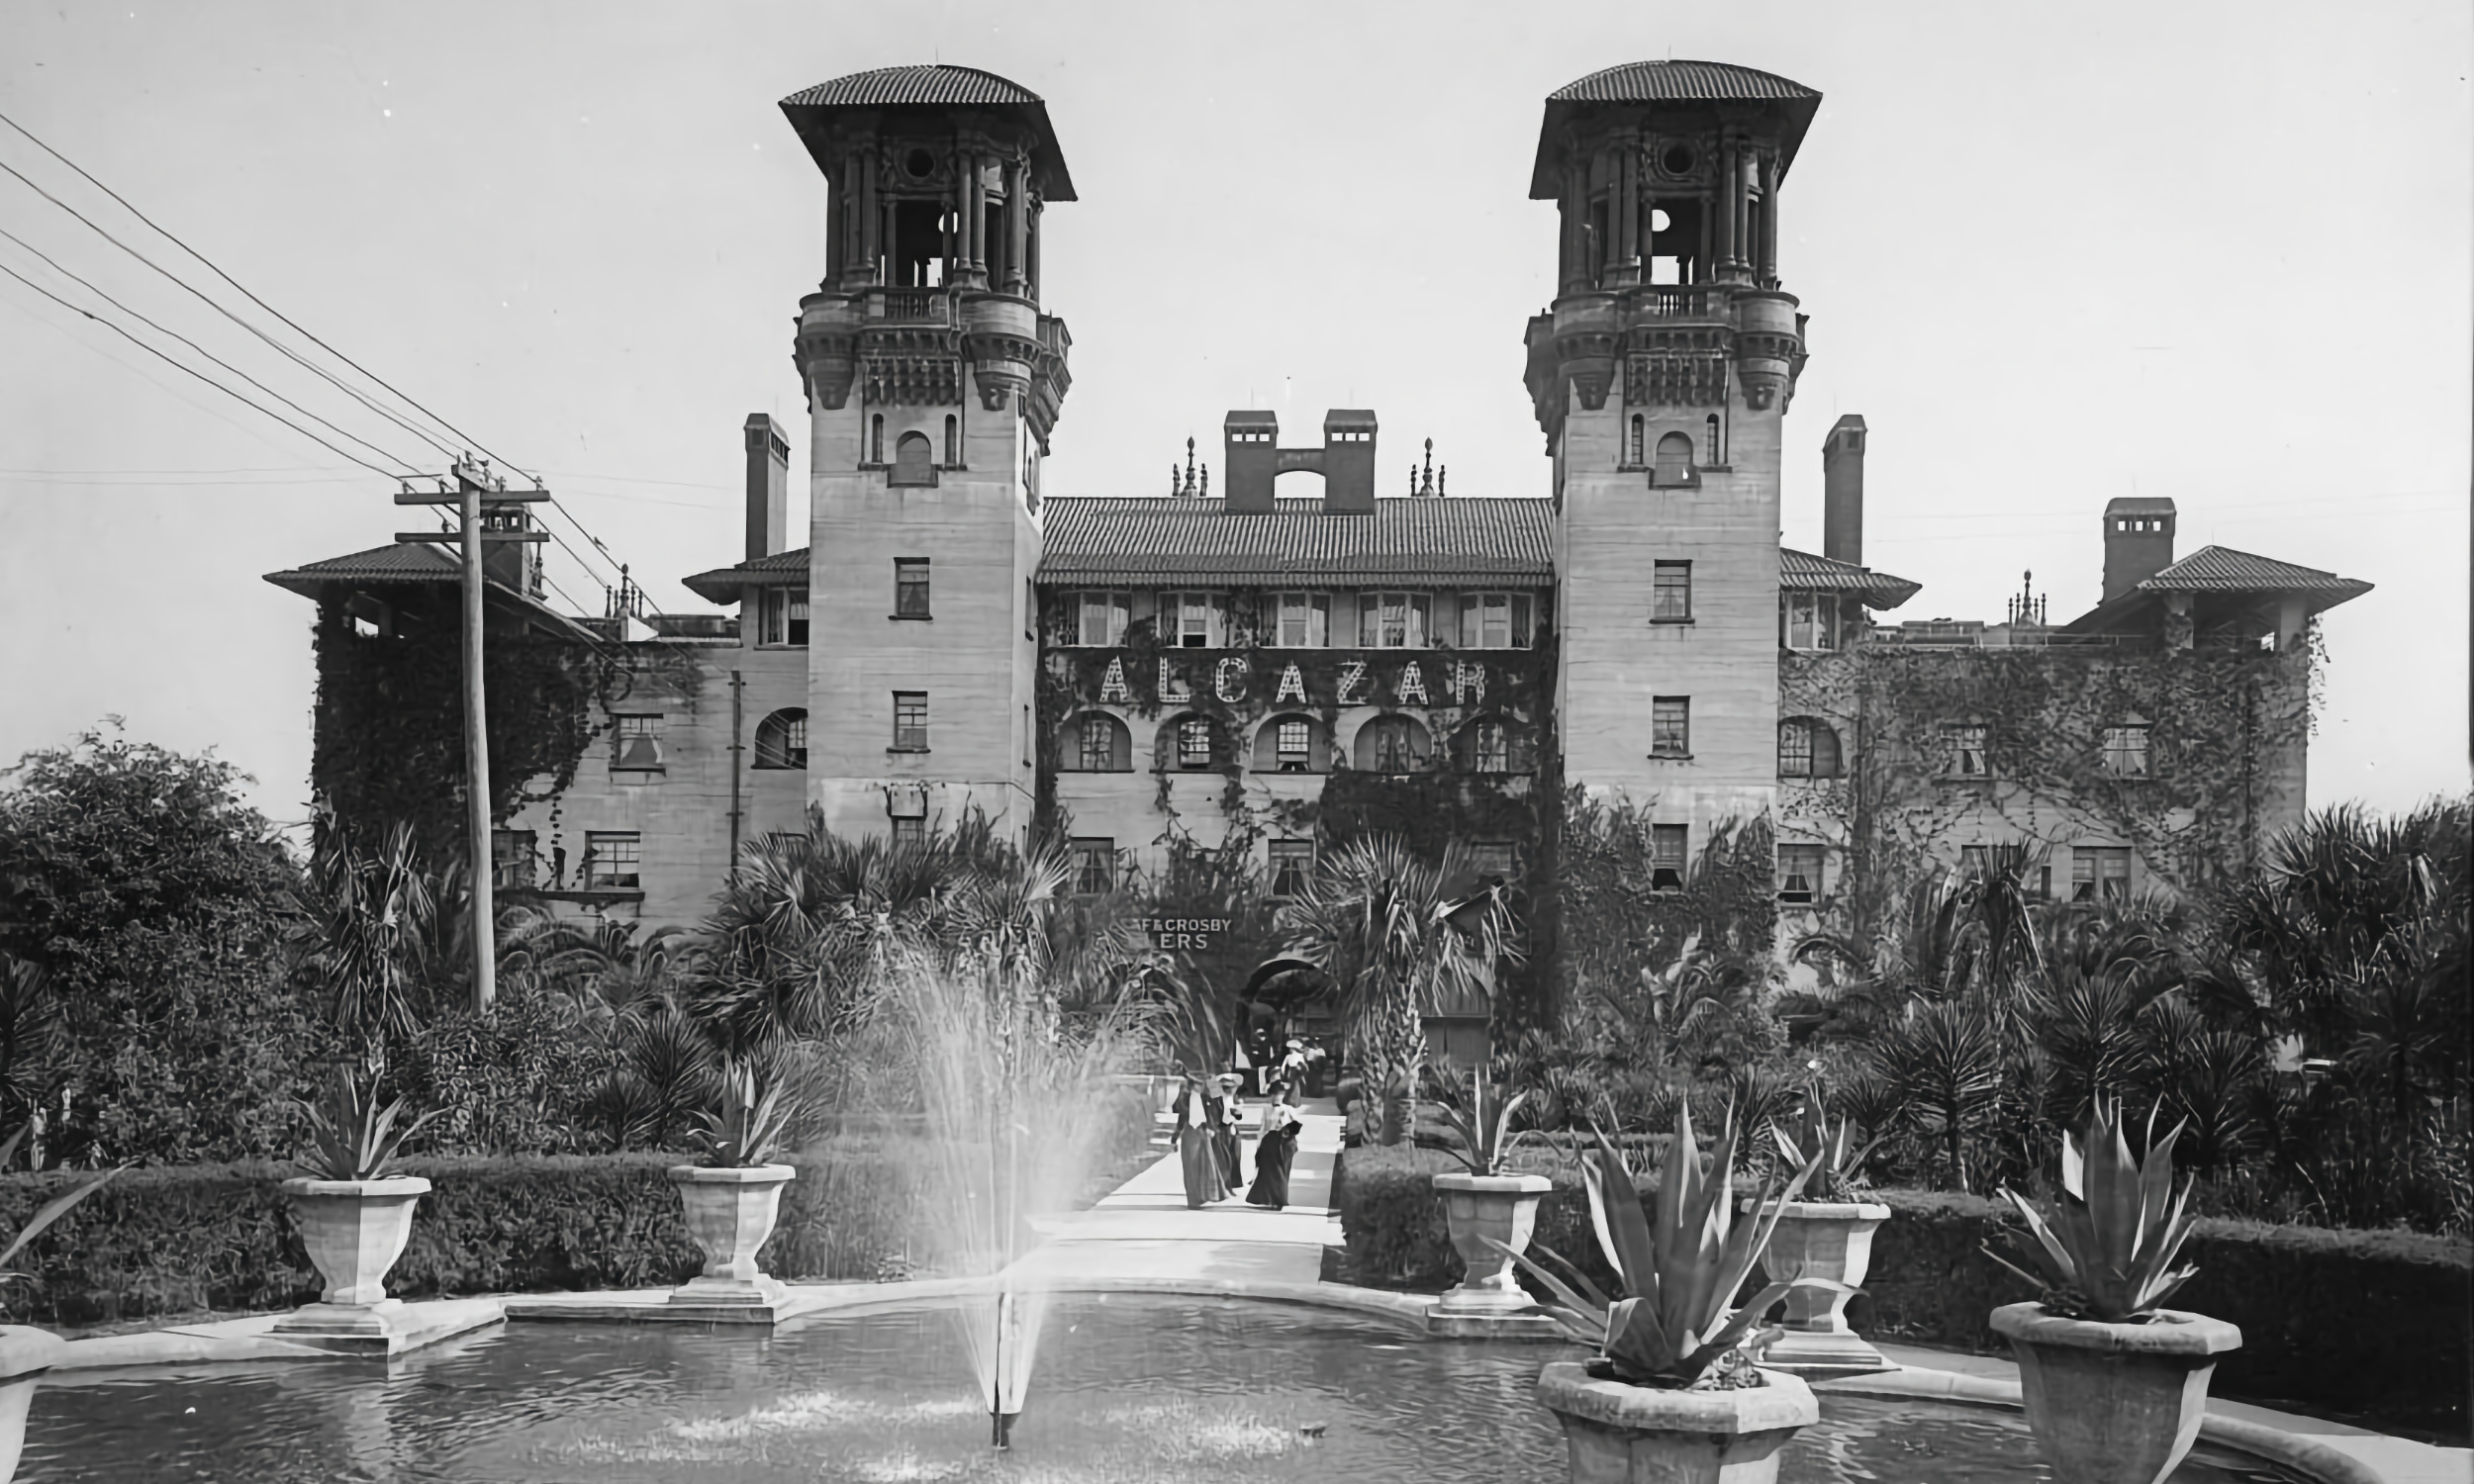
x=1196 y=933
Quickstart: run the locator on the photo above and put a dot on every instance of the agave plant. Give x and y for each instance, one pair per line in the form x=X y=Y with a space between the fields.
x=1677 y=1270
x=1828 y=1151
x=2104 y=1249
x=352 y=1136
x=746 y=1129
x=1468 y=1136
x=53 y=1209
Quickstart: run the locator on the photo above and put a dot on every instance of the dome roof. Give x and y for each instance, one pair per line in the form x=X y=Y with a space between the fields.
x=812 y=111
x=1671 y=82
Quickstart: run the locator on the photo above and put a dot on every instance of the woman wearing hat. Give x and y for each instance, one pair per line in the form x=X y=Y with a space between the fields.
x=1198 y=1113
x=1272 y=1154
x=1231 y=1111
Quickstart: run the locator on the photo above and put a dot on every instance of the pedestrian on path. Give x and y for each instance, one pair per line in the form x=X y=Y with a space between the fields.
x=1198 y=1142
x=1272 y=1154
x=1232 y=1148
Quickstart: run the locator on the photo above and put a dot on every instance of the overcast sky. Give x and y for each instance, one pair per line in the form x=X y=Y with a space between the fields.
x=2052 y=253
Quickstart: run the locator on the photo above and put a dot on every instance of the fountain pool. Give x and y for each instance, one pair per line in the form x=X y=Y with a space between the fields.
x=1129 y=1388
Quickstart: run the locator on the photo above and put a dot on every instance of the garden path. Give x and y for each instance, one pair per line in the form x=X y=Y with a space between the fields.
x=1143 y=1230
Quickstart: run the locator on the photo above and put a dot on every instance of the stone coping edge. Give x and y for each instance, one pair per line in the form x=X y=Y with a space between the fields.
x=2305 y=1455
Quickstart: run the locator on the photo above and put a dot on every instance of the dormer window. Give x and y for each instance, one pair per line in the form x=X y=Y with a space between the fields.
x=785 y=619
x=1809 y=621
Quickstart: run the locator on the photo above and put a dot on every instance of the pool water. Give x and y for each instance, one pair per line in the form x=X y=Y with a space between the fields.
x=1131 y=1389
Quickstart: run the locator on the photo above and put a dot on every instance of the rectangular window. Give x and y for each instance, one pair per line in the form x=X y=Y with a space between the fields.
x=1970 y=755
x=1292 y=866
x=1668 y=844
x=612 y=861
x=1193 y=743
x=1296 y=746
x=1392 y=620
x=911 y=587
x=910 y=721
x=1670 y=727
x=1671 y=592
x=785 y=619
x=2100 y=872
x=1192 y=620
x=1093 y=866
x=512 y=865
x=1494 y=620
x=1304 y=620
x=1492 y=860
x=1104 y=617
x=2126 y=751
x=636 y=743
x=910 y=832
x=1799 y=873
x=1491 y=748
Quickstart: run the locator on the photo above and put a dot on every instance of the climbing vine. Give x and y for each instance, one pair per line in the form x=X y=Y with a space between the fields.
x=389 y=731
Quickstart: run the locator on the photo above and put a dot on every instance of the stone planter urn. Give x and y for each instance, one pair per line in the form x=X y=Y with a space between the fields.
x=1503 y=1207
x=24 y=1354
x=2114 y=1403
x=1620 y=1434
x=354 y=1231
x=731 y=1211
x=1830 y=1241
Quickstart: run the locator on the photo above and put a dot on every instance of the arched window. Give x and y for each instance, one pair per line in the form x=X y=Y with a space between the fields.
x=1711 y=450
x=1807 y=748
x=1674 y=459
x=1634 y=456
x=914 y=463
x=953 y=441
x=782 y=739
x=1097 y=742
x=1291 y=743
x=1394 y=744
x=1190 y=743
x=876 y=438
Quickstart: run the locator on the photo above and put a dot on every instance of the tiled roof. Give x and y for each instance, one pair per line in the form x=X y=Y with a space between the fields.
x=722 y=584
x=403 y=562
x=1802 y=572
x=1668 y=82
x=1662 y=81
x=2222 y=569
x=890 y=87
x=1508 y=542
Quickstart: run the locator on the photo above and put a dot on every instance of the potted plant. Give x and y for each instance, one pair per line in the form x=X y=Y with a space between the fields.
x=733 y=1197
x=354 y=1212
x=27 y=1352
x=1675 y=1394
x=1824 y=1245
x=2115 y=1384
x=1489 y=1212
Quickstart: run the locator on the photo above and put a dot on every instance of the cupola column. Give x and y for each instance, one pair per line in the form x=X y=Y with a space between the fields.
x=1627 y=197
x=871 y=223
x=1576 y=245
x=1722 y=204
x=836 y=225
x=971 y=215
x=1018 y=227
x=1770 y=220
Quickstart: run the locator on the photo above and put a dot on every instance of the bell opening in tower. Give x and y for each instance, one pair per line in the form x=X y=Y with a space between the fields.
x=918 y=244
x=1676 y=241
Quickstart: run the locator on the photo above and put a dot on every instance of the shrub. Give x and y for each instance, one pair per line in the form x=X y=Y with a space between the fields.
x=2357 y=1322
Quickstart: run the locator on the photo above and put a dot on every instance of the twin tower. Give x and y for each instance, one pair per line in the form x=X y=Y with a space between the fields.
x=1660 y=376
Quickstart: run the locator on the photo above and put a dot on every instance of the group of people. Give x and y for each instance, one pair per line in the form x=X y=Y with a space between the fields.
x=1208 y=1112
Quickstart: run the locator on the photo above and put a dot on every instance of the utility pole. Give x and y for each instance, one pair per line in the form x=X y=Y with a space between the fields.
x=476 y=488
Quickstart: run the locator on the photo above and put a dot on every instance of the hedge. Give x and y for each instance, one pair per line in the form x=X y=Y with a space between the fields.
x=2362 y=1324
x=176 y=1239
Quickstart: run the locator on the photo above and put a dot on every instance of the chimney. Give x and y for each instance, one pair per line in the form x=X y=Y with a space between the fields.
x=1252 y=450
x=2138 y=542
x=1842 y=492
x=1348 y=461
x=768 y=486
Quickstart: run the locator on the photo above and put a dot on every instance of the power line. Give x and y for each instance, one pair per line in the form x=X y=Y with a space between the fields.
x=287 y=351
x=192 y=371
x=199 y=350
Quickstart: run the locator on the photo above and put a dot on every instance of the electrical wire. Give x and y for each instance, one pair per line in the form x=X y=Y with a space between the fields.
x=142 y=319
x=200 y=375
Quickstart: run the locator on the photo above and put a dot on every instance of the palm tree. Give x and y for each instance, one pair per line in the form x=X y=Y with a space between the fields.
x=1379 y=922
x=369 y=940
x=1944 y=1068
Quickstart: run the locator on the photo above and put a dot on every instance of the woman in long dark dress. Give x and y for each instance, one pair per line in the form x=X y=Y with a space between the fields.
x=1272 y=1154
x=1198 y=1144
x=1229 y=1113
